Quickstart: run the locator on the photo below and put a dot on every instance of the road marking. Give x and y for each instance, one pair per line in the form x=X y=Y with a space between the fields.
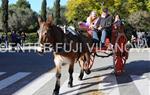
x=149 y=85
x=12 y=79
x=2 y=73
x=142 y=84
x=109 y=85
x=35 y=85
x=65 y=90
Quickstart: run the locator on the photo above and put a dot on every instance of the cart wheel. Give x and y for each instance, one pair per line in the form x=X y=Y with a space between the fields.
x=119 y=65
x=120 y=55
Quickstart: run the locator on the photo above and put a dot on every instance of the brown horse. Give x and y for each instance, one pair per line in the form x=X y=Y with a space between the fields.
x=50 y=33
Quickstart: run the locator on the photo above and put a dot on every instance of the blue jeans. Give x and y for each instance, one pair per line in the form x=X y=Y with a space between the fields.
x=95 y=37
x=103 y=37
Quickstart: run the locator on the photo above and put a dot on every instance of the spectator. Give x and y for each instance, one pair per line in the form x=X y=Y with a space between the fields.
x=14 y=38
x=23 y=37
x=0 y=38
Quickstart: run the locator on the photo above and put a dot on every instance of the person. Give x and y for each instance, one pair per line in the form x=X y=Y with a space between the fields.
x=133 y=41
x=13 y=36
x=6 y=40
x=23 y=37
x=148 y=38
x=90 y=23
x=103 y=25
x=3 y=38
x=117 y=22
x=0 y=38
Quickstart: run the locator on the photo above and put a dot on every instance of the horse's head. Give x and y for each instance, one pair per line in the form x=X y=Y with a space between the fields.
x=45 y=33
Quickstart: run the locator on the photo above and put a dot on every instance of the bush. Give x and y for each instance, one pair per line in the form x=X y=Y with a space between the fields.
x=32 y=38
x=140 y=21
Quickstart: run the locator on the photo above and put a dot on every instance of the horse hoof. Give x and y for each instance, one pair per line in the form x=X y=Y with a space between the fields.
x=88 y=71
x=70 y=85
x=56 y=93
x=80 y=78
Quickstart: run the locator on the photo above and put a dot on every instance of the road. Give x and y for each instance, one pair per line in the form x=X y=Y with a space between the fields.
x=32 y=74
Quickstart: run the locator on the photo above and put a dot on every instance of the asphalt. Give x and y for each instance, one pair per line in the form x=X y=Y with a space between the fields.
x=101 y=81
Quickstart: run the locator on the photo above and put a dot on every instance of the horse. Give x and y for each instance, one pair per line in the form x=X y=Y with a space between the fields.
x=54 y=35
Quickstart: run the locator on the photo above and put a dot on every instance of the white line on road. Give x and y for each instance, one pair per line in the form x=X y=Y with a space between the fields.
x=1 y=73
x=65 y=90
x=109 y=85
x=141 y=83
x=35 y=85
x=149 y=85
x=12 y=79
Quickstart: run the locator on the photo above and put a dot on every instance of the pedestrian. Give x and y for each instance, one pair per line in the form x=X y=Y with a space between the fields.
x=14 y=38
x=0 y=38
x=23 y=37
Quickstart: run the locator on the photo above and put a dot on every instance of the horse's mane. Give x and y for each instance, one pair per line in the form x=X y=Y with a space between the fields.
x=58 y=34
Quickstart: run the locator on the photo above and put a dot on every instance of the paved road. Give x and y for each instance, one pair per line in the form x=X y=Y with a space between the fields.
x=31 y=74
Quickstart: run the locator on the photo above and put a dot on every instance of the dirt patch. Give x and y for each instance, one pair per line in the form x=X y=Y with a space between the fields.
x=96 y=93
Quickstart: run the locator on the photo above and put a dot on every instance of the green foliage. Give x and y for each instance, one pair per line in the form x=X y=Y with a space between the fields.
x=22 y=19
x=43 y=10
x=57 y=12
x=50 y=11
x=140 y=21
x=32 y=38
x=5 y=15
x=23 y=4
x=148 y=5
x=129 y=30
x=62 y=15
x=80 y=9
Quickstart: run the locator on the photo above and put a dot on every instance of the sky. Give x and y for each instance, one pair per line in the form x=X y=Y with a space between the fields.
x=36 y=4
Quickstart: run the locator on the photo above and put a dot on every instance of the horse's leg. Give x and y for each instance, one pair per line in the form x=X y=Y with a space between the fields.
x=58 y=76
x=81 y=63
x=88 y=64
x=71 y=69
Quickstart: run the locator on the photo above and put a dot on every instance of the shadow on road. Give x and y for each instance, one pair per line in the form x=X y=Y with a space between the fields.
x=138 y=68
x=12 y=63
x=102 y=68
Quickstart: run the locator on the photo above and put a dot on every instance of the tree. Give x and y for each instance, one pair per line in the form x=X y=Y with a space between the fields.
x=5 y=16
x=57 y=12
x=148 y=5
x=50 y=11
x=62 y=15
x=43 y=10
x=80 y=9
x=135 y=5
x=22 y=20
x=23 y=4
x=140 y=21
